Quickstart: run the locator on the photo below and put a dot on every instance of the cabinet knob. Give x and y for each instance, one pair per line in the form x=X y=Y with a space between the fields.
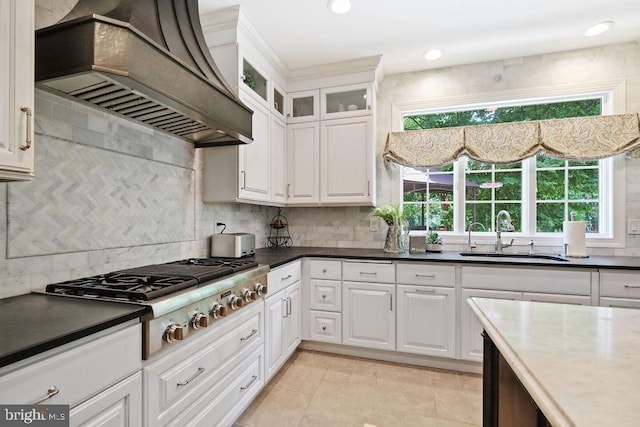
x=324 y=328
x=324 y=270
x=324 y=296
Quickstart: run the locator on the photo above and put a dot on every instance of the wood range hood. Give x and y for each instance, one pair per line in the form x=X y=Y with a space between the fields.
x=146 y=60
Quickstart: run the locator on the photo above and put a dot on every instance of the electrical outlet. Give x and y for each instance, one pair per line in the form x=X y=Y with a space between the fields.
x=373 y=224
x=633 y=226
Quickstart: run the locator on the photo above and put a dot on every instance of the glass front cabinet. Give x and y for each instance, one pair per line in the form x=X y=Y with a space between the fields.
x=303 y=106
x=346 y=101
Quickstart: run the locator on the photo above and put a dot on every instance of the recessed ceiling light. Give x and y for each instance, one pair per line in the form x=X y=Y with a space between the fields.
x=339 y=7
x=600 y=28
x=433 y=54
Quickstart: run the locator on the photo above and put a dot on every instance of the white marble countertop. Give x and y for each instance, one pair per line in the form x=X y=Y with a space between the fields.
x=580 y=364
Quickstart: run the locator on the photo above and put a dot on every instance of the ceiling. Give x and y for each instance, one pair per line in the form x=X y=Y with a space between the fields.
x=303 y=33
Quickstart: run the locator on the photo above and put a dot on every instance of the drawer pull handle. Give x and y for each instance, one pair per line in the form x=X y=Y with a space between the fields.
x=52 y=391
x=253 y=332
x=27 y=140
x=369 y=273
x=253 y=379
x=324 y=328
x=626 y=285
x=390 y=301
x=426 y=291
x=287 y=278
x=425 y=276
x=192 y=377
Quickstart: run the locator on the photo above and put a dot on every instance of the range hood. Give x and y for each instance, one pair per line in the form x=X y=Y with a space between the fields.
x=146 y=60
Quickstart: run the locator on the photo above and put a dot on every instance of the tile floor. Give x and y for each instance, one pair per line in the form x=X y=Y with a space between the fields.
x=320 y=389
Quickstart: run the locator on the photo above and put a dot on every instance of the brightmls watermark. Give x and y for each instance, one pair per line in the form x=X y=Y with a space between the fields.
x=34 y=415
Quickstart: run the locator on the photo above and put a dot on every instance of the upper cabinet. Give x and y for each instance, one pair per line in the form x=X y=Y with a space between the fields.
x=346 y=101
x=16 y=89
x=303 y=106
x=254 y=82
x=278 y=107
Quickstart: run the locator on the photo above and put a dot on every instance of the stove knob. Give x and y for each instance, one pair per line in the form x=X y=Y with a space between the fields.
x=235 y=302
x=249 y=295
x=218 y=310
x=261 y=289
x=199 y=320
x=173 y=333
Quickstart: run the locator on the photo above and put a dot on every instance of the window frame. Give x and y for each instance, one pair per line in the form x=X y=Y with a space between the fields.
x=612 y=170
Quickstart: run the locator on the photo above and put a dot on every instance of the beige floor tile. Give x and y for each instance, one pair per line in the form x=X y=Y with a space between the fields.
x=280 y=407
x=294 y=377
x=342 y=403
x=416 y=420
x=470 y=382
x=409 y=398
x=459 y=405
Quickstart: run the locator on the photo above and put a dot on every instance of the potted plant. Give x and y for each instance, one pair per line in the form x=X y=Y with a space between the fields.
x=397 y=240
x=434 y=242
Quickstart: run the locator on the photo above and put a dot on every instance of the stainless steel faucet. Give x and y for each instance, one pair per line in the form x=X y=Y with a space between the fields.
x=469 y=245
x=499 y=245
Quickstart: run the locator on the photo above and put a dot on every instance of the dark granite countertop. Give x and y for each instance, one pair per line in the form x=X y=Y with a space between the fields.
x=35 y=323
x=276 y=257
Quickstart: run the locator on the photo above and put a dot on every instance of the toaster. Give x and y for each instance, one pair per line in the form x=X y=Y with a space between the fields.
x=233 y=245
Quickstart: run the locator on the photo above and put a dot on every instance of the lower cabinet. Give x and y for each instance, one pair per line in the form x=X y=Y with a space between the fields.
x=368 y=315
x=283 y=323
x=119 y=405
x=426 y=320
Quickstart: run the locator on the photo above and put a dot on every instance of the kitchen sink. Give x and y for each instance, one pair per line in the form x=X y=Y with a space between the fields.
x=516 y=255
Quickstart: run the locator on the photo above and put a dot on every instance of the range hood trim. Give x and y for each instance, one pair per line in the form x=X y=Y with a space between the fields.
x=114 y=51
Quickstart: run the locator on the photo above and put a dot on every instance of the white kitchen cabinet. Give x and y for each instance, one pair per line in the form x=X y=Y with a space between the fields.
x=118 y=406
x=346 y=101
x=278 y=185
x=619 y=302
x=471 y=342
x=556 y=298
x=368 y=315
x=426 y=320
x=303 y=163
x=620 y=288
x=16 y=89
x=347 y=161
x=283 y=327
x=241 y=172
x=283 y=316
x=303 y=106
x=278 y=102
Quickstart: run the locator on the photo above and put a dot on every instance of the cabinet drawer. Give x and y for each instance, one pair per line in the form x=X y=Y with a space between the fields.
x=102 y=362
x=619 y=302
x=368 y=272
x=173 y=382
x=325 y=295
x=325 y=326
x=625 y=284
x=281 y=277
x=323 y=269
x=426 y=274
x=551 y=281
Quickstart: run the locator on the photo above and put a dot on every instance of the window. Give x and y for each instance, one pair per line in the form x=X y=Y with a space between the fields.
x=539 y=192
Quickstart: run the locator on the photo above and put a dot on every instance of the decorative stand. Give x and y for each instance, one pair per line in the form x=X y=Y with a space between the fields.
x=279 y=235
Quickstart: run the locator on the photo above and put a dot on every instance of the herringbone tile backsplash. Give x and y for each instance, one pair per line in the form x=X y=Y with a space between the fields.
x=87 y=198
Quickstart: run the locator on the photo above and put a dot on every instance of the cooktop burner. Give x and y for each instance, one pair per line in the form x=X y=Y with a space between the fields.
x=145 y=283
x=121 y=285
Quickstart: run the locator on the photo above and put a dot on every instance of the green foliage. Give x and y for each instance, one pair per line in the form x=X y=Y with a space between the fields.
x=433 y=238
x=391 y=214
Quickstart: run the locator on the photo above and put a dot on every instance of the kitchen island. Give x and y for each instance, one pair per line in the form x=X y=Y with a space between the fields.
x=559 y=365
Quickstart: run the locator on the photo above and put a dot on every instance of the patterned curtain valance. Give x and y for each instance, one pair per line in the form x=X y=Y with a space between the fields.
x=581 y=138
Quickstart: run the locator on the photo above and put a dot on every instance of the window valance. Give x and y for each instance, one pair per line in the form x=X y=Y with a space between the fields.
x=581 y=138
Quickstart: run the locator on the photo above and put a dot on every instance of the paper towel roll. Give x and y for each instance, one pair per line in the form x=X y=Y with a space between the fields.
x=574 y=237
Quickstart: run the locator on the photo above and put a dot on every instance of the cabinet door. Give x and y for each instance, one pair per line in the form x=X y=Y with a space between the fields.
x=119 y=405
x=16 y=89
x=273 y=339
x=293 y=321
x=346 y=101
x=426 y=320
x=368 y=315
x=303 y=147
x=303 y=106
x=471 y=342
x=346 y=159
x=278 y=161
x=254 y=158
